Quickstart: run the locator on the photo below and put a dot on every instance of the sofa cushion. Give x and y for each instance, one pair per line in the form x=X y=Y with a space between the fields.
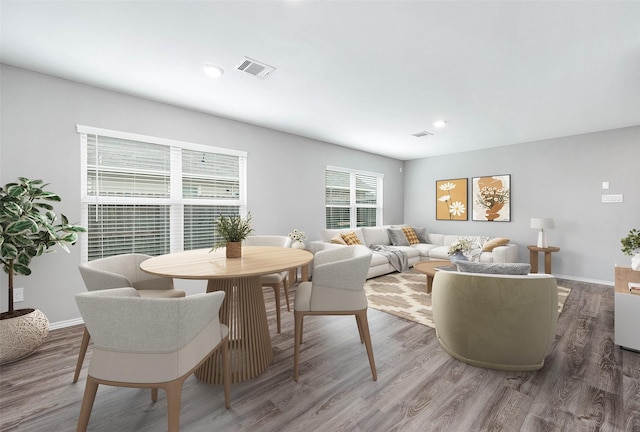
x=439 y=252
x=494 y=243
x=493 y=268
x=376 y=235
x=378 y=259
x=397 y=237
x=423 y=248
x=351 y=238
x=326 y=234
x=422 y=234
x=337 y=239
x=411 y=235
x=410 y=251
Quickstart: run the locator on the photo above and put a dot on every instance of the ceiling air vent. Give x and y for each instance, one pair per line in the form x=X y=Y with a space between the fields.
x=254 y=67
x=421 y=134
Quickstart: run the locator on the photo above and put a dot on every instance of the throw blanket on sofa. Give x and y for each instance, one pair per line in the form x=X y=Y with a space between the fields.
x=397 y=258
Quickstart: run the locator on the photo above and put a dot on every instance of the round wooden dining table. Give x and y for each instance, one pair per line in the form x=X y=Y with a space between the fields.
x=243 y=308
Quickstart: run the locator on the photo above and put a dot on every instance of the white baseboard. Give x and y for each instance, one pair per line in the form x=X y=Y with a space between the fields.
x=67 y=323
x=581 y=279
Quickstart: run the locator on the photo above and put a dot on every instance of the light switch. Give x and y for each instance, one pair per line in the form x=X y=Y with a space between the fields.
x=605 y=185
x=612 y=198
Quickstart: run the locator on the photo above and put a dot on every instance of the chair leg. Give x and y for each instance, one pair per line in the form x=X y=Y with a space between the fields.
x=359 y=328
x=83 y=350
x=298 y=317
x=90 y=390
x=285 y=284
x=364 y=323
x=174 y=393
x=276 y=293
x=226 y=370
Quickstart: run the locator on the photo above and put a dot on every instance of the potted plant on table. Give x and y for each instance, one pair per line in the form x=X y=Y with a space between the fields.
x=233 y=229
x=28 y=228
x=631 y=246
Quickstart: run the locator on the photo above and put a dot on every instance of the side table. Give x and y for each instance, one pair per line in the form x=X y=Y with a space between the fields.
x=533 y=257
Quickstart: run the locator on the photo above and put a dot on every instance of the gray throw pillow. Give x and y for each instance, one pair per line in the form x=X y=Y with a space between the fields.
x=494 y=268
x=422 y=234
x=397 y=237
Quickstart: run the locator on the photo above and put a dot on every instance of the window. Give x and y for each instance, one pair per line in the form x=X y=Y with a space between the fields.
x=352 y=198
x=154 y=196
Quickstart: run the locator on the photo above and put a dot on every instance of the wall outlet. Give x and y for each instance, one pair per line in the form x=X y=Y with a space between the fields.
x=18 y=295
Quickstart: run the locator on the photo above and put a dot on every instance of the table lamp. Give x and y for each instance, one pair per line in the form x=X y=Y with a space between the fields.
x=541 y=224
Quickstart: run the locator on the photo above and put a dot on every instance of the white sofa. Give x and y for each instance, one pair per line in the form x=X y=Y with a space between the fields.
x=436 y=247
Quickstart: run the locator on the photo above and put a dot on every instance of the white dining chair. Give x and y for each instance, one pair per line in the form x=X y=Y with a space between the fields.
x=151 y=343
x=121 y=271
x=273 y=280
x=337 y=288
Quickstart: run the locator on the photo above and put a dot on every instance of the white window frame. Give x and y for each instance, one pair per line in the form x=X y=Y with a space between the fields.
x=175 y=201
x=353 y=204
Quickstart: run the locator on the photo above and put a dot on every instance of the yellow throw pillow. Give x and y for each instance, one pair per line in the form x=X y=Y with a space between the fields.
x=493 y=243
x=337 y=239
x=411 y=235
x=351 y=239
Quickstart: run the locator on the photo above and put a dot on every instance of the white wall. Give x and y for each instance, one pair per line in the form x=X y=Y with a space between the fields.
x=559 y=178
x=38 y=137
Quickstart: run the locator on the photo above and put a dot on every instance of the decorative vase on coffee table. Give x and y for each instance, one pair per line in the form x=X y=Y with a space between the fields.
x=458 y=256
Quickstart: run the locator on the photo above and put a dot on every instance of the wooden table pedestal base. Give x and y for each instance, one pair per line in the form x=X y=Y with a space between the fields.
x=243 y=310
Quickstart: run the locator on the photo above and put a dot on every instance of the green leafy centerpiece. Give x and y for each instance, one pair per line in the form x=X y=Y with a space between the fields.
x=232 y=229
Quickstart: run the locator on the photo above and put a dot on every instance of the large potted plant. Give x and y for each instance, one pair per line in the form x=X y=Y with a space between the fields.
x=631 y=246
x=29 y=227
x=233 y=229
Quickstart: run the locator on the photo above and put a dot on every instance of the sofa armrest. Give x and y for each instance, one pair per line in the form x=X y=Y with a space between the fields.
x=319 y=245
x=506 y=254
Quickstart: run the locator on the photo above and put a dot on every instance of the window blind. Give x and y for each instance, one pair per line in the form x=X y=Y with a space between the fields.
x=154 y=196
x=352 y=198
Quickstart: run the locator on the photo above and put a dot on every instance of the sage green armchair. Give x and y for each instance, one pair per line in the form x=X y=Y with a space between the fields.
x=496 y=321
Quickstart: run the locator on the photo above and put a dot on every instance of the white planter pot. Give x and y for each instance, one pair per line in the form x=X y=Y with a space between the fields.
x=21 y=336
x=297 y=244
x=635 y=262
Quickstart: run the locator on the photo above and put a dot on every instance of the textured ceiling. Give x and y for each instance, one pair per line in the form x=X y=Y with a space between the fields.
x=359 y=74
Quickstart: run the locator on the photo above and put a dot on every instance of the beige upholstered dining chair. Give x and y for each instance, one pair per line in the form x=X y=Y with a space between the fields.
x=273 y=280
x=337 y=289
x=150 y=343
x=121 y=271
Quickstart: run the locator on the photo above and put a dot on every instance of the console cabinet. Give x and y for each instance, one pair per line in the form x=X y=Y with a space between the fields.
x=627 y=308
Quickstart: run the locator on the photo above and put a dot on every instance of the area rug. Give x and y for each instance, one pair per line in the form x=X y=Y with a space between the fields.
x=405 y=295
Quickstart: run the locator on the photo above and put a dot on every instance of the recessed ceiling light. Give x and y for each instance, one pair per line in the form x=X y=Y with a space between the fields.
x=212 y=70
x=440 y=123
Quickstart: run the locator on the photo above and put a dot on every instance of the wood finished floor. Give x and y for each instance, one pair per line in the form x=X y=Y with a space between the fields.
x=587 y=383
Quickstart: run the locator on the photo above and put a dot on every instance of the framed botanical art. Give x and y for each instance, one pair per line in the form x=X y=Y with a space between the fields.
x=491 y=198
x=451 y=199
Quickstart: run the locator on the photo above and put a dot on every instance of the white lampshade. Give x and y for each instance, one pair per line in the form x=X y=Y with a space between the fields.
x=541 y=224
